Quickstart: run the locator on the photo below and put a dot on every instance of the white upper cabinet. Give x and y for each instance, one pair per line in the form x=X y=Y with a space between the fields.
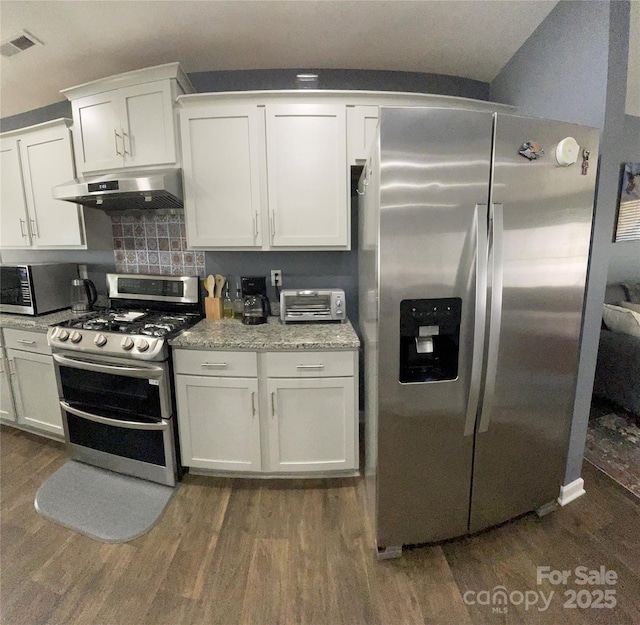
x=222 y=170
x=362 y=122
x=265 y=175
x=127 y=120
x=307 y=175
x=97 y=132
x=14 y=230
x=34 y=160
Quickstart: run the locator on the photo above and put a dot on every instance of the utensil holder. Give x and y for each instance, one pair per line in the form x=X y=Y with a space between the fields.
x=213 y=307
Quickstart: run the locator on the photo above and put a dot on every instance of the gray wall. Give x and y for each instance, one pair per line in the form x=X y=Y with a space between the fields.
x=37 y=116
x=561 y=70
x=574 y=68
x=352 y=79
x=624 y=265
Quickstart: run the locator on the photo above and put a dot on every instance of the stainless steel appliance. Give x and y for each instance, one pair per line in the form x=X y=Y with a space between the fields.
x=312 y=305
x=35 y=289
x=474 y=240
x=83 y=295
x=126 y=191
x=114 y=375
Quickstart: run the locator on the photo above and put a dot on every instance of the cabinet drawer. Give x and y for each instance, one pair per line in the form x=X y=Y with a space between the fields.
x=26 y=341
x=303 y=364
x=216 y=363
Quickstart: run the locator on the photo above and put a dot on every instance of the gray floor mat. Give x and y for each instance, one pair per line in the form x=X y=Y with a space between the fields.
x=101 y=504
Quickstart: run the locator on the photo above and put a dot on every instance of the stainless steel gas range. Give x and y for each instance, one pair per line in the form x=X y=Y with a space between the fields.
x=114 y=375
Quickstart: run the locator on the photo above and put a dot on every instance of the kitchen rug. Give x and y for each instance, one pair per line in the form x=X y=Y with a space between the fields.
x=613 y=446
x=101 y=504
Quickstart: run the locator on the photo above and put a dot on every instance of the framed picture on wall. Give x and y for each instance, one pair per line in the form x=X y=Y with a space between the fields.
x=628 y=222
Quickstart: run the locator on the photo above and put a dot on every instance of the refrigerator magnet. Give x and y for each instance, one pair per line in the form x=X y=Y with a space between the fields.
x=567 y=152
x=531 y=150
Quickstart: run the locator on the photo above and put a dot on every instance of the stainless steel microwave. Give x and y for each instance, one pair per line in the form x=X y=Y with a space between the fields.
x=316 y=305
x=35 y=289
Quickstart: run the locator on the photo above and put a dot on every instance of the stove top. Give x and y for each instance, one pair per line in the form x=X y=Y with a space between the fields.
x=151 y=323
x=138 y=334
x=148 y=310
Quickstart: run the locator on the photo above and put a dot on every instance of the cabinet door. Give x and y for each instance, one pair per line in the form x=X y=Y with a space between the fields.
x=35 y=391
x=312 y=424
x=219 y=422
x=7 y=410
x=147 y=126
x=307 y=175
x=98 y=139
x=14 y=231
x=47 y=161
x=221 y=160
x=362 y=122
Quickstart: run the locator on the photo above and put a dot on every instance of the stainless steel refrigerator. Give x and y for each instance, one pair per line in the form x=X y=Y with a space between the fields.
x=473 y=246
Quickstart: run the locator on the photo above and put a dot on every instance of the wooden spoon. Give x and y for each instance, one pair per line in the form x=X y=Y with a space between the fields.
x=220 y=281
x=210 y=285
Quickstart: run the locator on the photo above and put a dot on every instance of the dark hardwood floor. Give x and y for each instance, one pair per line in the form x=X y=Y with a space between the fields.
x=265 y=552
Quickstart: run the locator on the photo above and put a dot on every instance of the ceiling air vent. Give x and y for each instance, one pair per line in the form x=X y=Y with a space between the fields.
x=18 y=43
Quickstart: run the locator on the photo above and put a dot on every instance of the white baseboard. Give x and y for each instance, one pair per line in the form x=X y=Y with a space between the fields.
x=571 y=491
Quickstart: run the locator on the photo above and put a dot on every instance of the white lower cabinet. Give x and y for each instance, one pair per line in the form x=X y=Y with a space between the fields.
x=7 y=407
x=312 y=424
x=271 y=413
x=33 y=381
x=219 y=422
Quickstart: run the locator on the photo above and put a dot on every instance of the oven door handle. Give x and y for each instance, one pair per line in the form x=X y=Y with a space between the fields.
x=87 y=365
x=131 y=425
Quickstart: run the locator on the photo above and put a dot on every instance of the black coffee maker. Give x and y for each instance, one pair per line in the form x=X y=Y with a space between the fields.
x=254 y=299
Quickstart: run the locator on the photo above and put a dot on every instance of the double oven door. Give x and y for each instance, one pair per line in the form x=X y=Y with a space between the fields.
x=117 y=414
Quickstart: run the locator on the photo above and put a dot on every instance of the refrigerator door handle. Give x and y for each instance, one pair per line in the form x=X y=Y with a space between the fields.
x=495 y=314
x=480 y=318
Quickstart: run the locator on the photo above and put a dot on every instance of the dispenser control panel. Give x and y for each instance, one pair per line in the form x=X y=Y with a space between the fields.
x=429 y=339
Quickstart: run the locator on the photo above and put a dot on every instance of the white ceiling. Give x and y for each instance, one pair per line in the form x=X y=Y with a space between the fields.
x=90 y=39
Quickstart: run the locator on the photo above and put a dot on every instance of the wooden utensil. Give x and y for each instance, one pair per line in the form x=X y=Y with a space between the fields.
x=210 y=285
x=220 y=282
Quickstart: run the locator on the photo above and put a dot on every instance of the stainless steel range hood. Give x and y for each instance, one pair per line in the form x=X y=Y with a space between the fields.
x=127 y=191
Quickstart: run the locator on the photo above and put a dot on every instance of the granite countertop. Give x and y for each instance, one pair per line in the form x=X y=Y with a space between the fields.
x=273 y=335
x=37 y=324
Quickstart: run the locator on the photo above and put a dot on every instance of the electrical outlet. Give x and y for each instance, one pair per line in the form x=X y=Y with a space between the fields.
x=276 y=277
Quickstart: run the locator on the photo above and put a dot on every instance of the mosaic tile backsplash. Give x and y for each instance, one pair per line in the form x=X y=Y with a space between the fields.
x=155 y=244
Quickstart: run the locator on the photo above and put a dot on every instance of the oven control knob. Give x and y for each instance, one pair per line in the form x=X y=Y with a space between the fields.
x=100 y=340
x=142 y=345
x=75 y=337
x=127 y=343
x=61 y=334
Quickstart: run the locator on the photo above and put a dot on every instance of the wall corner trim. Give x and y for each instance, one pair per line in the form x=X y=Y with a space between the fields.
x=571 y=491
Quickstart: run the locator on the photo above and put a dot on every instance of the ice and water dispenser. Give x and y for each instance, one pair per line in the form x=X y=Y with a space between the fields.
x=429 y=339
